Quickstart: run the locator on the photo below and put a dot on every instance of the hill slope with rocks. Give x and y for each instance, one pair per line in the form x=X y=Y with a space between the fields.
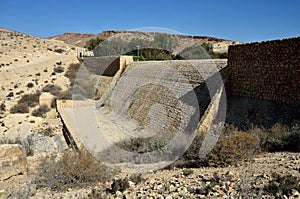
x=80 y=39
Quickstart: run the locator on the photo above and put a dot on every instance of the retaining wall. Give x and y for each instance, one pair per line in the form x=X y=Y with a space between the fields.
x=268 y=70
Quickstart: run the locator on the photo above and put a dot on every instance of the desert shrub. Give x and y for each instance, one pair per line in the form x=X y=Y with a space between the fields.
x=30 y=99
x=281 y=185
x=10 y=94
x=53 y=89
x=282 y=138
x=233 y=147
x=59 y=50
x=92 y=43
x=73 y=169
x=136 y=178
x=65 y=95
x=47 y=131
x=2 y=107
x=28 y=147
x=20 y=108
x=41 y=111
x=119 y=185
x=5 y=140
x=59 y=69
x=30 y=85
x=72 y=72
x=187 y=172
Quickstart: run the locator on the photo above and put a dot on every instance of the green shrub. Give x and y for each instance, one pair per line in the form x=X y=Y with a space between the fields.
x=92 y=43
x=20 y=108
x=41 y=111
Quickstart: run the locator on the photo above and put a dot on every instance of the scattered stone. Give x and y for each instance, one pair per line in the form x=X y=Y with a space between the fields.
x=12 y=160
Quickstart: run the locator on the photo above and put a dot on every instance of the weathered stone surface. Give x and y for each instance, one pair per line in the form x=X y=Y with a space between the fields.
x=46 y=99
x=12 y=160
x=41 y=144
x=267 y=70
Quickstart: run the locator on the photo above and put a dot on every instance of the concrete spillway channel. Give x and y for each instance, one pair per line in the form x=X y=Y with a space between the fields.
x=146 y=100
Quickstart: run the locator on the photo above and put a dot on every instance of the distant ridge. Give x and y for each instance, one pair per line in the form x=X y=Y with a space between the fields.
x=80 y=39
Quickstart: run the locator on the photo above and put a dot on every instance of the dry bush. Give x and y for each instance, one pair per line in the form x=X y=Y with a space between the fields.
x=281 y=185
x=53 y=89
x=2 y=107
x=59 y=69
x=10 y=94
x=30 y=85
x=233 y=147
x=119 y=185
x=72 y=72
x=72 y=170
x=59 y=50
x=20 y=108
x=281 y=138
x=41 y=111
x=30 y=99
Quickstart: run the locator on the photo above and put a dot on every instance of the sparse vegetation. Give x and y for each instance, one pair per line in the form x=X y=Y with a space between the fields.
x=281 y=138
x=72 y=170
x=281 y=185
x=72 y=71
x=20 y=108
x=53 y=89
x=119 y=185
x=41 y=111
x=59 y=69
x=2 y=107
x=5 y=140
x=187 y=172
x=59 y=50
x=30 y=99
x=233 y=147
x=30 y=85
x=92 y=43
x=10 y=94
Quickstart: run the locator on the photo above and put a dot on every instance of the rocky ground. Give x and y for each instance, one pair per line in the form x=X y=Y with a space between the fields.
x=28 y=64
x=249 y=180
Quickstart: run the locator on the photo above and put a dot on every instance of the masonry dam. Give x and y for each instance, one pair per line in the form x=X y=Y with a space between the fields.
x=164 y=104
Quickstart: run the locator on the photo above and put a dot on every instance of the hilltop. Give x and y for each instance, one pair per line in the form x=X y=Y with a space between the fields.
x=80 y=39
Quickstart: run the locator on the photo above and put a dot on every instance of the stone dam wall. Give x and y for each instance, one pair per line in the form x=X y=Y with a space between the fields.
x=106 y=65
x=266 y=71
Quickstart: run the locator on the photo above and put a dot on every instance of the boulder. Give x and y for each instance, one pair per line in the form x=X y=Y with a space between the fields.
x=47 y=99
x=12 y=160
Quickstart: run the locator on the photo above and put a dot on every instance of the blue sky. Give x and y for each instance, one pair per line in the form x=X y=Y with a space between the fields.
x=246 y=21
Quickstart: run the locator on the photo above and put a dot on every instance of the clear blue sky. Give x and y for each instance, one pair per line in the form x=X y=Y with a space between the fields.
x=240 y=20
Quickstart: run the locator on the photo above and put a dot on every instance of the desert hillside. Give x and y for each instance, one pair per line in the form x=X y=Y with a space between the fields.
x=40 y=157
x=80 y=39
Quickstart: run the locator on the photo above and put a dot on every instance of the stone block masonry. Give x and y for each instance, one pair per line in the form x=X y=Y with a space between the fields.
x=268 y=70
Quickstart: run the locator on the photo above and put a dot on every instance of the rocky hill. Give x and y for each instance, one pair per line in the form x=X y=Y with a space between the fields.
x=80 y=39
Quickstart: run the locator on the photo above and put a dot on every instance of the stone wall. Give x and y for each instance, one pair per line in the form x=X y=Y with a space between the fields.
x=268 y=70
x=106 y=65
